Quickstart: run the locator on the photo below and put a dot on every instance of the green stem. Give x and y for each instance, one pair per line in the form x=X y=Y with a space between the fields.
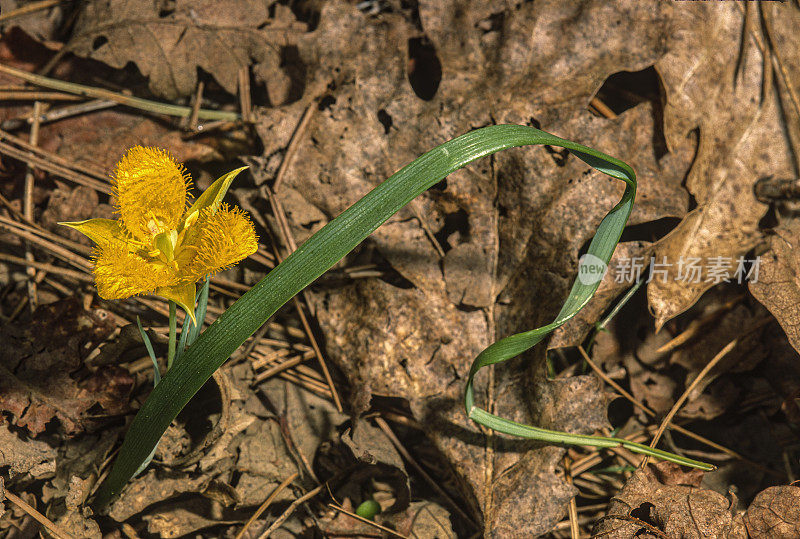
x=601 y=326
x=173 y=329
x=506 y=426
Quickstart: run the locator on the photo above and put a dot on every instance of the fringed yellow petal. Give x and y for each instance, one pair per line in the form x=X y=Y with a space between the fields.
x=151 y=189
x=224 y=238
x=120 y=274
x=182 y=294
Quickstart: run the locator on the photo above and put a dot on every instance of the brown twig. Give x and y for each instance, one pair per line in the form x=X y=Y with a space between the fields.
x=318 y=353
x=27 y=206
x=700 y=376
x=366 y=521
x=288 y=240
x=33 y=228
x=294 y=143
x=245 y=97
x=49 y=166
x=284 y=365
x=197 y=102
x=286 y=482
x=122 y=99
x=602 y=108
x=47 y=268
x=697 y=325
x=262 y=359
x=572 y=509
x=22 y=94
x=318 y=389
x=289 y=510
x=37 y=516
x=57 y=250
x=73 y=110
x=30 y=8
x=307 y=376
x=93 y=172
x=423 y=223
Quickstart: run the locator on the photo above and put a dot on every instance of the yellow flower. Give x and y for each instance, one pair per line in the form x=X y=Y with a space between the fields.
x=157 y=246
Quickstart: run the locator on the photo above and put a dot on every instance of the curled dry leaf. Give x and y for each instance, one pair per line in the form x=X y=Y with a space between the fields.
x=36 y=386
x=725 y=107
x=778 y=284
x=77 y=466
x=41 y=24
x=181 y=518
x=657 y=502
x=151 y=487
x=77 y=525
x=20 y=456
x=775 y=512
x=224 y=427
x=425 y=519
x=170 y=41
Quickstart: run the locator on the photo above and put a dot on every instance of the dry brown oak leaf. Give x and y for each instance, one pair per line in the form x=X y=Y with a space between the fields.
x=661 y=501
x=778 y=284
x=169 y=41
x=510 y=227
x=37 y=359
x=775 y=513
x=721 y=101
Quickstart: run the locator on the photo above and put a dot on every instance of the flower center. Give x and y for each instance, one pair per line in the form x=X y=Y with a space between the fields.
x=165 y=243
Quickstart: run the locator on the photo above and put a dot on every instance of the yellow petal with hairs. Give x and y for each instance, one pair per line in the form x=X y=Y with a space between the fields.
x=224 y=238
x=151 y=189
x=120 y=274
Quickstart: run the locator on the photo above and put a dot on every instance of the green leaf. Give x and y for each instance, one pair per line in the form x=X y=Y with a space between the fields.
x=149 y=346
x=202 y=305
x=156 y=380
x=328 y=246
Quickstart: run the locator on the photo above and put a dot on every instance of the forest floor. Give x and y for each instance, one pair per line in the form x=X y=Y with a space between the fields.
x=353 y=392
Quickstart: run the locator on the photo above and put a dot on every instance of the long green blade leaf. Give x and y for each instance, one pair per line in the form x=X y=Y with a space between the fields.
x=322 y=251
